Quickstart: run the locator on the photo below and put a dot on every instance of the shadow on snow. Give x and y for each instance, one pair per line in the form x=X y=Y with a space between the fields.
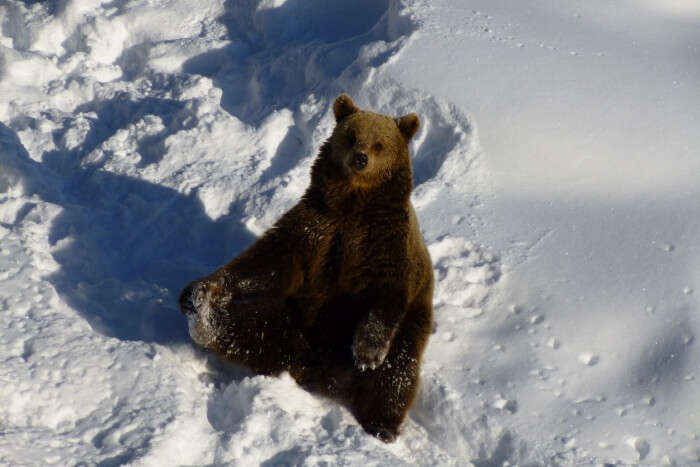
x=125 y=246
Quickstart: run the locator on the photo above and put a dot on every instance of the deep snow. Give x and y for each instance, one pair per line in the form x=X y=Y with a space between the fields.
x=145 y=142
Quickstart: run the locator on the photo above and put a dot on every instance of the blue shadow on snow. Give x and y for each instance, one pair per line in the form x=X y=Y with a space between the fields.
x=125 y=246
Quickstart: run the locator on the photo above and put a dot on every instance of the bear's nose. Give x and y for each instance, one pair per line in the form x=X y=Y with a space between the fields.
x=186 y=300
x=360 y=160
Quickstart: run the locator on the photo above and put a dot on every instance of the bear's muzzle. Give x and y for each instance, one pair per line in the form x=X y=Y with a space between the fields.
x=359 y=161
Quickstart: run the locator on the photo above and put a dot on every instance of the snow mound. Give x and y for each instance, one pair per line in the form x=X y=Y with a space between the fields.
x=464 y=276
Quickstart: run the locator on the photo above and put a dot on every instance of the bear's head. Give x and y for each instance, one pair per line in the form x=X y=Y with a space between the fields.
x=370 y=148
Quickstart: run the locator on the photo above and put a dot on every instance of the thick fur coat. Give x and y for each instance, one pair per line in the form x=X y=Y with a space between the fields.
x=339 y=291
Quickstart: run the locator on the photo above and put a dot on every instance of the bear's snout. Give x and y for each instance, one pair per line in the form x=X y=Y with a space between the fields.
x=359 y=161
x=186 y=300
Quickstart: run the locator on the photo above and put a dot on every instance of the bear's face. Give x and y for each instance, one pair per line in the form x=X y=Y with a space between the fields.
x=369 y=147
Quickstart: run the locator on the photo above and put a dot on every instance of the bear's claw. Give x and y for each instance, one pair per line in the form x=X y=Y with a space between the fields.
x=369 y=354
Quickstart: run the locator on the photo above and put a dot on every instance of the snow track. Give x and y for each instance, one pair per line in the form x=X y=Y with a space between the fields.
x=144 y=143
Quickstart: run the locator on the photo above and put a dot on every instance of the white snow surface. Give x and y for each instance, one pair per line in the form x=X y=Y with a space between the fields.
x=145 y=142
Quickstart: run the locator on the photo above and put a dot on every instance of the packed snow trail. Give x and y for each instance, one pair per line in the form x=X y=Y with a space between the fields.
x=144 y=143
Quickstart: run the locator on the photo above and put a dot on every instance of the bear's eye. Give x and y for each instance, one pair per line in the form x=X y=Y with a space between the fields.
x=352 y=139
x=377 y=147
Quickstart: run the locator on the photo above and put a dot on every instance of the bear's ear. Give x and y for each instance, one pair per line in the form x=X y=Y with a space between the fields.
x=343 y=106
x=408 y=125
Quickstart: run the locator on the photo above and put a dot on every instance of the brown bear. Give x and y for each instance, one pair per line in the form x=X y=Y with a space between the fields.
x=339 y=291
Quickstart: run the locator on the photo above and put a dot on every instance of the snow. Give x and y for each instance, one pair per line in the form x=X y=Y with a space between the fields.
x=144 y=143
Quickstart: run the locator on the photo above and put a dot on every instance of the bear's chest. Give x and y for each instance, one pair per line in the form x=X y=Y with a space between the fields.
x=336 y=260
x=334 y=263
x=346 y=259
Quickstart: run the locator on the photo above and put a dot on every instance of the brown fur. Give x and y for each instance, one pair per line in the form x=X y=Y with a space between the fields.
x=339 y=292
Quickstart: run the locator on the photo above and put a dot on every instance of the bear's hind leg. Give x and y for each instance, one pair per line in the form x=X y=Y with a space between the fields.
x=263 y=335
x=382 y=397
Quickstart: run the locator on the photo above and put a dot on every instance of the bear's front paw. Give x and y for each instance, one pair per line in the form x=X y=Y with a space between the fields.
x=369 y=349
